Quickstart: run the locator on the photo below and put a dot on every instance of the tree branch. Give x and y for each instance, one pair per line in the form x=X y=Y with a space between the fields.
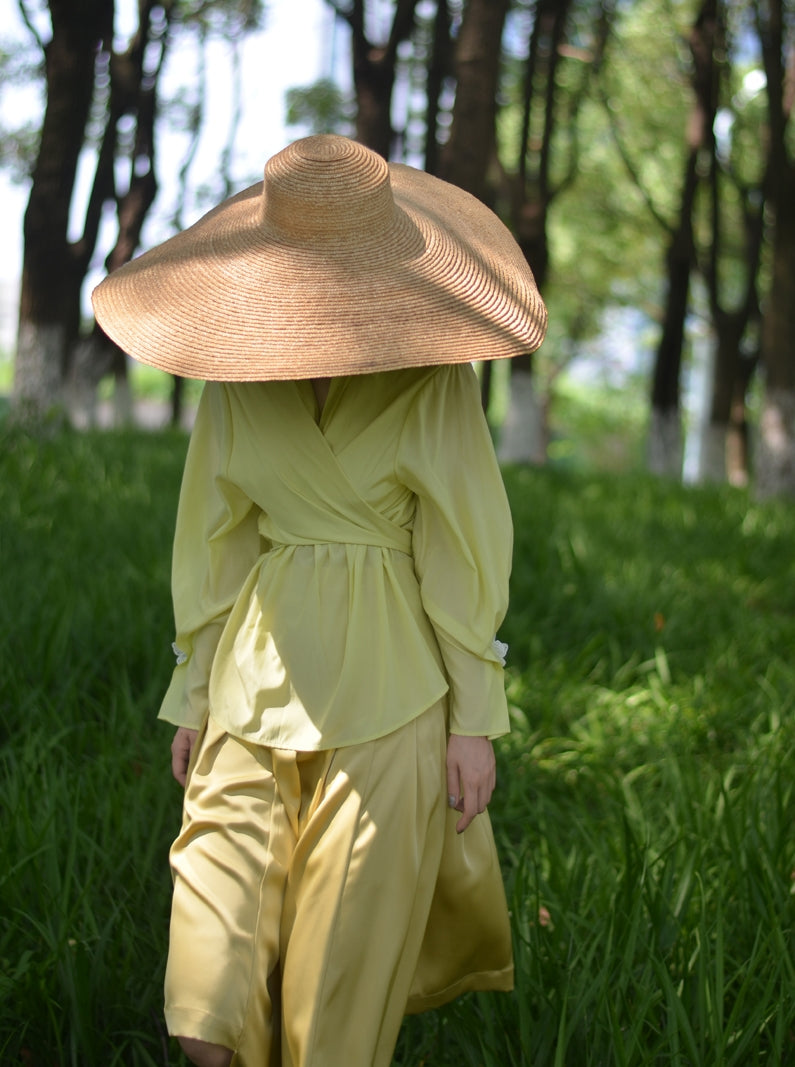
x=630 y=166
x=402 y=25
x=195 y=123
x=592 y=59
x=25 y=16
x=237 y=114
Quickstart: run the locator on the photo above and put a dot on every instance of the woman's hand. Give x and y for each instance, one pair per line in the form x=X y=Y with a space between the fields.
x=181 y=747
x=471 y=776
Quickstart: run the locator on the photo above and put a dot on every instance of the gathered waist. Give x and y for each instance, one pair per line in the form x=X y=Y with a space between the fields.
x=327 y=644
x=402 y=545
x=366 y=528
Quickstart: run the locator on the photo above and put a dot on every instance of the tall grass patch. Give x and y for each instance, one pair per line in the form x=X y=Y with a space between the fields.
x=645 y=803
x=645 y=806
x=85 y=526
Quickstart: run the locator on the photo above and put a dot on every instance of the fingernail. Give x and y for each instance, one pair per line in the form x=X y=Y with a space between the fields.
x=452 y=800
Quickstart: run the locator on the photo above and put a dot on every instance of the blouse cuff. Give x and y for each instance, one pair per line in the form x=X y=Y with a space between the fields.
x=186 y=702
x=478 y=704
x=176 y=707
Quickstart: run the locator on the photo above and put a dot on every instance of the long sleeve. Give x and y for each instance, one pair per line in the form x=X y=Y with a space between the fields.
x=216 y=543
x=462 y=542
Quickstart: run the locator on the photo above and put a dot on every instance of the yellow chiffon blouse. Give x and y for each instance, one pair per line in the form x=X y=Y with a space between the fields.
x=336 y=573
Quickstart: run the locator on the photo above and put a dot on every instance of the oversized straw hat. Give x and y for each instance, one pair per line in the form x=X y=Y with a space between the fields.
x=337 y=263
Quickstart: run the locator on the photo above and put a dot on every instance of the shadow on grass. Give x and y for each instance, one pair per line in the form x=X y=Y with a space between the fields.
x=645 y=798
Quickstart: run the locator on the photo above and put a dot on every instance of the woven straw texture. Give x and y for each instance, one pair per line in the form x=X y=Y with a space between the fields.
x=337 y=263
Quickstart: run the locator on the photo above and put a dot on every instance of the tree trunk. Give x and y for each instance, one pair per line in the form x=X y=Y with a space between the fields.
x=524 y=436
x=134 y=78
x=775 y=461
x=724 y=445
x=52 y=272
x=665 y=446
x=533 y=191
x=738 y=459
x=80 y=70
x=374 y=68
x=469 y=153
x=775 y=467
x=438 y=70
x=729 y=330
x=725 y=450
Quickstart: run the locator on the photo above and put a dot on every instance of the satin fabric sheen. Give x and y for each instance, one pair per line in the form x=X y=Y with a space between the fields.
x=306 y=900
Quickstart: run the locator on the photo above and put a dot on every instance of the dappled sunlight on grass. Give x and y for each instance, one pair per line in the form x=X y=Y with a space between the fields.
x=645 y=802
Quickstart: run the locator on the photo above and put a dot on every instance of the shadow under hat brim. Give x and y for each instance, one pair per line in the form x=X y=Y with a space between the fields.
x=233 y=299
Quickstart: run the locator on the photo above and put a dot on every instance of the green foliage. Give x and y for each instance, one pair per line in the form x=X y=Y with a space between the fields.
x=598 y=426
x=616 y=162
x=224 y=18
x=18 y=150
x=20 y=75
x=320 y=108
x=645 y=806
x=645 y=85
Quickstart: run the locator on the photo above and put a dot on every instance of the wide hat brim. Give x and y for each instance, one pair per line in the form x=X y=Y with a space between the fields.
x=336 y=263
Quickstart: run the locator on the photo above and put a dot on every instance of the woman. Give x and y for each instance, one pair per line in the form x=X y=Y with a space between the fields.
x=341 y=561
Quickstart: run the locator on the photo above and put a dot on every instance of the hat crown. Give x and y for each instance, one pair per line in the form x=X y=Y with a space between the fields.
x=338 y=263
x=327 y=188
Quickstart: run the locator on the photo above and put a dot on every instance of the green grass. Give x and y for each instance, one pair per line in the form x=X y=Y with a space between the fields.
x=645 y=810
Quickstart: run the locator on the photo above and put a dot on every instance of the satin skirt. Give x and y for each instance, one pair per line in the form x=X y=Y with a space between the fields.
x=318 y=896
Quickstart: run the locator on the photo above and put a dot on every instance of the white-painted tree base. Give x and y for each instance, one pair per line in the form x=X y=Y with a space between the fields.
x=37 y=369
x=90 y=364
x=711 y=465
x=523 y=439
x=665 y=443
x=774 y=468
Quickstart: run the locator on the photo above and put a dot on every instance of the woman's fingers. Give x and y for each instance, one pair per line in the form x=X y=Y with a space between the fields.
x=471 y=776
x=181 y=747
